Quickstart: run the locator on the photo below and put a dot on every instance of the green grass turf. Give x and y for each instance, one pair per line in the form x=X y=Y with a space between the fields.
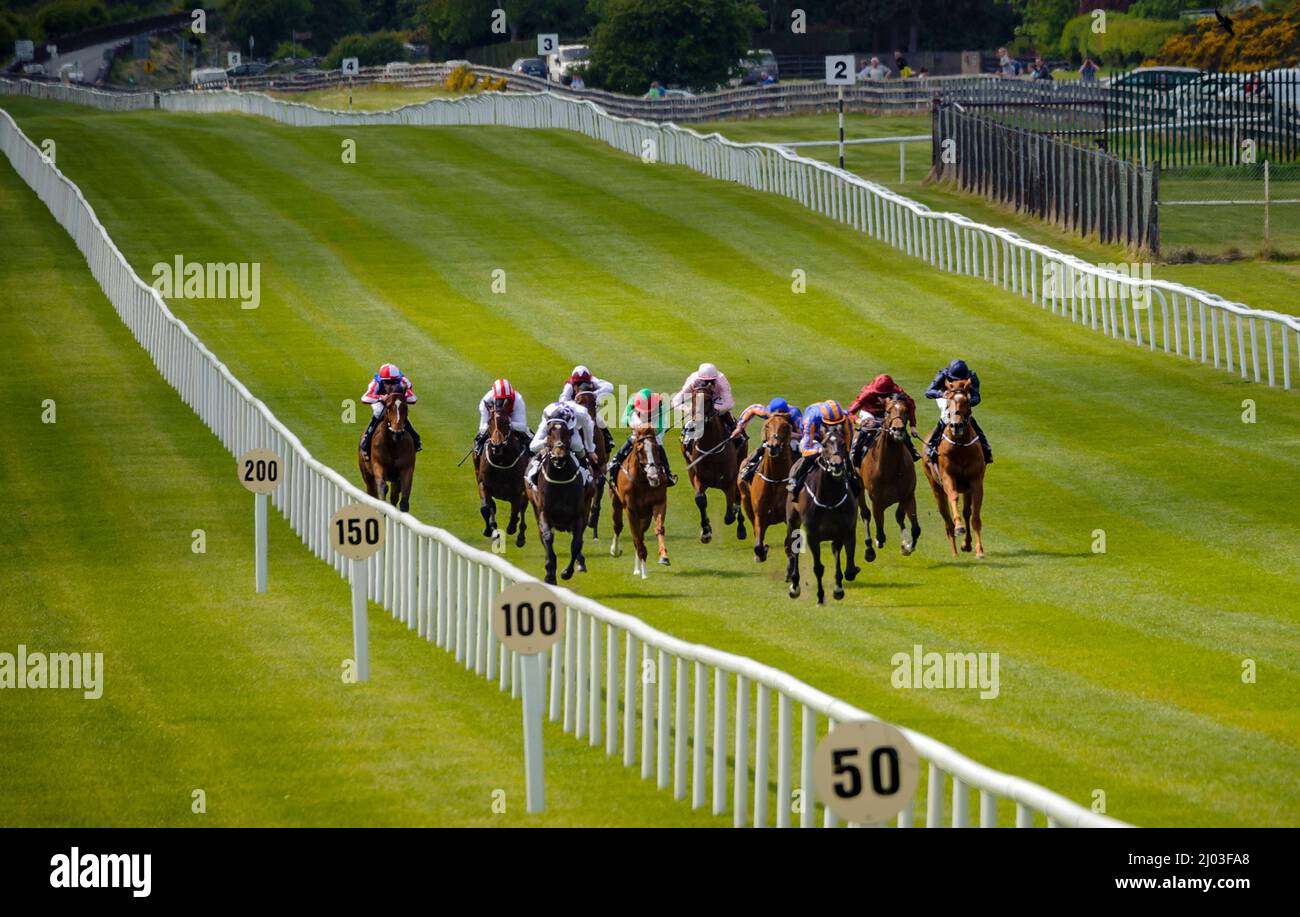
x=1120 y=671
x=1272 y=284
x=209 y=685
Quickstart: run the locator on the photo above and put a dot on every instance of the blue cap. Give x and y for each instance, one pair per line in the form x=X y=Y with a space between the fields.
x=778 y=406
x=958 y=369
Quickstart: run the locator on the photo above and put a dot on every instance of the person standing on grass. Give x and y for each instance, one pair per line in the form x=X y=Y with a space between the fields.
x=1006 y=63
x=1088 y=72
x=1041 y=71
x=874 y=70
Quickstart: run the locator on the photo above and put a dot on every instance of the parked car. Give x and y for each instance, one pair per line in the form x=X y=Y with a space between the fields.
x=530 y=66
x=564 y=60
x=208 y=77
x=307 y=75
x=250 y=68
x=678 y=94
x=1161 y=79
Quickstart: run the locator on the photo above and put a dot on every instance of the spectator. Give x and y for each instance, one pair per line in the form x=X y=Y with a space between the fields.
x=923 y=73
x=577 y=82
x=768 y=79
x=1041 y=71
x=656 y=91
x=1088 y=72
x=1007 y=65
x=874 y=70
x=900 y=66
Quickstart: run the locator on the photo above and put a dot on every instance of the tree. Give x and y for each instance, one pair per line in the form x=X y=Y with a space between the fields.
x=268 y=21
x=330 y=20
x=694 y=43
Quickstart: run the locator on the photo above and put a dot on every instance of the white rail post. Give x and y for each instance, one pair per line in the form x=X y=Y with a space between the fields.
x=356 y=531
x=260 y=471
x=259 y=540
x=360 y=624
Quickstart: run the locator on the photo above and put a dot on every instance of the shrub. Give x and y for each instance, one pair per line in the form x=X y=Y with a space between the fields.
x=65 y=17
x=288 y=49
x=370 y=50
x=1264 y=39
x=1127 y=39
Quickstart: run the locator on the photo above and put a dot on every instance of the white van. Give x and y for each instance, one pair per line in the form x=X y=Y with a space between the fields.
x=208 y=78
x=563 y=61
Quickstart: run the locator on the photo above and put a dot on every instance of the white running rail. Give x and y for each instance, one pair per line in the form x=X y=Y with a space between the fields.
x=704 y=722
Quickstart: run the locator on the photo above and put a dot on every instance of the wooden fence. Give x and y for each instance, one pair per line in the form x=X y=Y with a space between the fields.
x=1085 y=191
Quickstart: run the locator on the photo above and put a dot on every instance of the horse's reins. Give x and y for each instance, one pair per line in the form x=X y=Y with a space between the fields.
x=703 y=455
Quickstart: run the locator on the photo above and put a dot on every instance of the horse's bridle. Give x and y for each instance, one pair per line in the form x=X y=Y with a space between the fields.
x=389 y=424
x=565 y=456
x=497 y=418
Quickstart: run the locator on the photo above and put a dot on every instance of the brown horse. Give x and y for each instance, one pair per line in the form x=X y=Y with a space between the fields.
x=960 y=473
x=391 y=467
x=641 y=489
x=890 y=478
x=500 y=473
x=764 y=499
x=827 y=508
x=586 y=396
x=712 y=461
x=560 y=499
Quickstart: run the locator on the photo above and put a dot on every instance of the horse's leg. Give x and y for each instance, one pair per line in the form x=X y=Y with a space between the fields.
x=734 y=497
x=575 y=549
x=837 y=546
x=954 y=507
x=702 y=502
x=864 y=510
x=941 y=501
x=408 y=477
x=878 y=516
x=976 y=502
x=818 y=568
x=616 y=507
x=904 y=538
x=791 y=558
x=593 y=518
x=638 y=525
x=579 y=539
x=916 y=525
x=965 y=516
x=487 y=508
x=660 y=512
x=548 y=542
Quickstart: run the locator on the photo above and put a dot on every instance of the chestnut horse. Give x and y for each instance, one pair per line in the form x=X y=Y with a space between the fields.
x=828 y=510
x=391 y=466
x=712 y=462
x=641 y=489
x=500 y=473
x=560 y=500
x=586 y=396
x=960 y=474
x=764 y=499
x=890 y=478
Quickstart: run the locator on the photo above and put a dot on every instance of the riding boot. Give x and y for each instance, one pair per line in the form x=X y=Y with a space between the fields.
x=609 y=440
x=751 y=466
x=369 y=434
x=932 y=443
x=479 y=439
x=911 y=448
x=617 y=461
x=984 y=442
x=415 y=436
x=668 y=472
x=799 y=472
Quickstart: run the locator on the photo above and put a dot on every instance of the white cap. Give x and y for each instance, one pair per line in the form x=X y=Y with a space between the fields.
x=708 y=371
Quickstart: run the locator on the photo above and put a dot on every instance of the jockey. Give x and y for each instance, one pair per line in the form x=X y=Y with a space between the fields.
x=775 y=406
x=820 y=419
x=938 y=390
x=580 y=429
x=709 y=375
x=869 y=407
x=644 y=408
x=503 y=391
x=389 y=379
x=581 y=378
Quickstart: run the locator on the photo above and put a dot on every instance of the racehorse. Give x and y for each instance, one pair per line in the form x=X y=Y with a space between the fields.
x=960 y=472
x=828 y=511
x=500 y=473
x=586 y=396
x=560 y=500
x=391 y=466
x=764 y=499
x=641 y=488
x=711 y=462
x=890 y=478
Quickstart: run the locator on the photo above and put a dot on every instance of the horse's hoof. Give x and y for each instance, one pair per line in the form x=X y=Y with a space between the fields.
x=979 y=555
x=488 y=531
x=821 y=598
x=519 y=542
x=959 y=532
x=851 y=574
x=906 y=550
x=880 y=542
x=566 y=575
x=664 y=561
x=741 y=534
x=582 y=567
x=794 y=592
x=510 y=529
x=838 y=594
x=550 y=579
x=870 y=555
x=706 y=537
x=965 y=548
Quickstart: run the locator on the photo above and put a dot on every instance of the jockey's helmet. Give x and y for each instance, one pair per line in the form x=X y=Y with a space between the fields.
x=389 y=373
x=883 y=381
x=580 y=374
x=778 y=406
x=832 y=413
x=707 y=372
x=958 y=369
x=502 y=390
